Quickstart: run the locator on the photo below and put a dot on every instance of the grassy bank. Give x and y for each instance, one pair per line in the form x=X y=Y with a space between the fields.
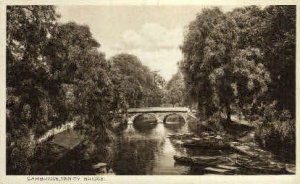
x=275 y=136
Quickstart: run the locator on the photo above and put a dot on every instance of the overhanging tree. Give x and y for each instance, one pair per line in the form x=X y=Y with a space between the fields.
x=29 y=29
x=218 y=72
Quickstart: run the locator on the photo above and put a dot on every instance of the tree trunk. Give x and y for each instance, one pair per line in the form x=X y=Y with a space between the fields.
x=228 y=112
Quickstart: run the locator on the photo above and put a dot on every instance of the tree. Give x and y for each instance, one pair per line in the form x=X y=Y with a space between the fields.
x=54 y=73
x=218 y=72
x=28 y=104
x=138 y=85
x=78 y=64
x=279 y=49
x=272 y=30
x=175 y=90
x=193 y=53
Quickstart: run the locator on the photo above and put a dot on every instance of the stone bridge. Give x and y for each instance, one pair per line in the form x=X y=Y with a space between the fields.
x=159 y=113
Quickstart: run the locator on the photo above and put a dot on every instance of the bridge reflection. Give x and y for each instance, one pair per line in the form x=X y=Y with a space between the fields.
x=174 y=122
x=144 y=122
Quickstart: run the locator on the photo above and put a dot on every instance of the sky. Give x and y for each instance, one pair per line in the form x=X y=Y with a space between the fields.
x=152 y=33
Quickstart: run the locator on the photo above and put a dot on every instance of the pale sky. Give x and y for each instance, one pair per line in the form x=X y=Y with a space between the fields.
x=152 y=33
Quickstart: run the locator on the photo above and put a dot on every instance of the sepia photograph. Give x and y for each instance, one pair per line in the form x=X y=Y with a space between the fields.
x=150 y=90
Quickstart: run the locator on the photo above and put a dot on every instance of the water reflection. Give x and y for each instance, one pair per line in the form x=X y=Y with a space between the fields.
x=145 y=149
x=134 y=157
x=140 y=148
x=174 y=123
x=146 y=128
x=145 y=123
x=174 y=127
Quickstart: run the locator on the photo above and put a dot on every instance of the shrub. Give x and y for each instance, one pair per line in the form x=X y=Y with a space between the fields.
x=19 y=153
x=214 y=123
x=278 y=137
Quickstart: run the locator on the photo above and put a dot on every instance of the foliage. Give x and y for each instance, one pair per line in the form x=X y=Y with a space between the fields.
x=231 y=60
x=218 y=71
x=277 y=132
x=243 y=62
x=279 y=48
x=278 y=137
x=28 y=95
x=175 y=91
x=86 y=73
x=28 y=77
x=272 y=30
x=193 y=53
x=138 y=85
x=54 y=74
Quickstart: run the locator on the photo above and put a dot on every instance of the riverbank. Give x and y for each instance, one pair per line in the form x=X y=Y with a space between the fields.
x=162 y=148
x=72 y=148
x=236 y=158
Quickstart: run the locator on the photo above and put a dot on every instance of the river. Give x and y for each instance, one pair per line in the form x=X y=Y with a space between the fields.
x=148 y=151
x=145 y=148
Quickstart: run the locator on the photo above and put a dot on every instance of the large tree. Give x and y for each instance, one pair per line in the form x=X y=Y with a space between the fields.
x=272 y=30
x=54 y=73
x=218 y=71
x=83 y=69
x=279 y=47
x=138 y=85
x=174 y=91
x=29 y=29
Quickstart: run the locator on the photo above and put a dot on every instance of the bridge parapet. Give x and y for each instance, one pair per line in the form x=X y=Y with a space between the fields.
x=158 y=109
x=160 y=113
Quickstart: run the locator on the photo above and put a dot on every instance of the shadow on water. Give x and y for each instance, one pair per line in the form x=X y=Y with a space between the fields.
x=174 y=127
x=148 y=148
x=174 y=123
x=144 y=123
x=76 y=165
x=135 y=156
x=143 y=148
x=136 y=148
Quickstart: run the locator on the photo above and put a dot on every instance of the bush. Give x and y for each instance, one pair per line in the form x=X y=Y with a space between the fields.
x=19 y=154
x=278 y=137
x=214 y=123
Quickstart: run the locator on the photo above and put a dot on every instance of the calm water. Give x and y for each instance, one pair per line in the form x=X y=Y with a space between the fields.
x=143 y=148
x=138 y=149
x=148 y=151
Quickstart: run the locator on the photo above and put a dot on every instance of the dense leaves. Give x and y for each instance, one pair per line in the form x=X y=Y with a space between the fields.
x=139 y=86
x=84 y=72
x=279 y=48
x=174 y=91
x=56 y=74
x=243 y=62
x=28 y=103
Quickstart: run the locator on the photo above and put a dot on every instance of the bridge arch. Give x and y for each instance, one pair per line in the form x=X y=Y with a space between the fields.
x=160 y=113
x=132 y=118
x=174 y=113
